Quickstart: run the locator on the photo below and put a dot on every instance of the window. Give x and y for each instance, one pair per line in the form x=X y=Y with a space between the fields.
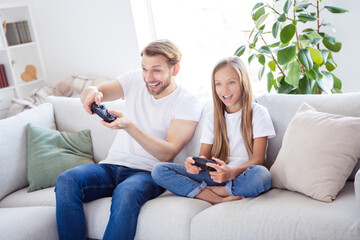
x=205 y=31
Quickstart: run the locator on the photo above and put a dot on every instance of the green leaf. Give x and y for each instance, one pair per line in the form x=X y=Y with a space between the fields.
x=275 y=29
x=261 y=72
x=258 y=11
x=311 y=74
x=304 y=43
x=286 y=54
x=261 y=59
x=316 y=56
x=326 y=83
x=265 y=49
x=306 y=18
x=252 y=56
x=276 y=44
x=337 y=82
x=336 y=9
x=324 y=54
x=305 y=85
x=319 y=75
x=330 y=63
x=287 y=6
x=305 y=58
x=260 y=21
x=294 y=72
x=330 y=26
x=282 y=17
x=270 y=80
x=272 y=65
x=240 y=51
x=284 y=87
x=287 y=33
x=256 y=37
x=328 y=43
x=313 y=34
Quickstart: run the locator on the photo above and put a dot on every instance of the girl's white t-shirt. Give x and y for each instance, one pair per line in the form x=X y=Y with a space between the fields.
x=153 y=116
x=262 y=127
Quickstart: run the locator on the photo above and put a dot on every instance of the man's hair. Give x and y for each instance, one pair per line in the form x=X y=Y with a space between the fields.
x=220 y=148
x=165 y=48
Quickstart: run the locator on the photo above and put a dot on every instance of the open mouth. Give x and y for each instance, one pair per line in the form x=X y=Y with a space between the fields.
x=227 y=98
x=153 y=85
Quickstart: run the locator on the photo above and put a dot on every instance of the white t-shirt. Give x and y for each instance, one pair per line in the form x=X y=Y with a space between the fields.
x=262 y=127
x=153 y=116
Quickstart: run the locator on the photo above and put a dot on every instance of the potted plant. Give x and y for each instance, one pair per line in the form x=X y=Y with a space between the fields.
x=298 y=61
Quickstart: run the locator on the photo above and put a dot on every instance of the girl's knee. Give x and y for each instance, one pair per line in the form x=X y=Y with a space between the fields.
x=158 y=171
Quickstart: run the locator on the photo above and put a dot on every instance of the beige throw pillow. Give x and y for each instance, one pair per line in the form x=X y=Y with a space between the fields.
x=318 y=153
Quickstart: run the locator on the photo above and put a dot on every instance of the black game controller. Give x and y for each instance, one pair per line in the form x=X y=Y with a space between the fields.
x=102 y=112
x=201 y=162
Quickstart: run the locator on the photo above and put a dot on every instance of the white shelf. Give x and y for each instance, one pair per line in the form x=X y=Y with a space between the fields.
x=18 y=56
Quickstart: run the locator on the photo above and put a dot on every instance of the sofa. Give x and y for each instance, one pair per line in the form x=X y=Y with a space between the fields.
x=276 y=214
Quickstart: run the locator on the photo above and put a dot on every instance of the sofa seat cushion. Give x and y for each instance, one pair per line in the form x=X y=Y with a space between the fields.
x=166 y=217
x=21 y=198
x=28 y=223
x=280 y=214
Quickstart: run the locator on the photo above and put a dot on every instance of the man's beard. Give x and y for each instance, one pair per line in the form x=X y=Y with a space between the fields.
x=160 y=90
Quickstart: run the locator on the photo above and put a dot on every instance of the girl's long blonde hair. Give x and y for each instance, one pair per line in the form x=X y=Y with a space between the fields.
x=220 y=148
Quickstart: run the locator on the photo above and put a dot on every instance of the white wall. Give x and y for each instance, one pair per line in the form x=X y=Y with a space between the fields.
x=87 y=37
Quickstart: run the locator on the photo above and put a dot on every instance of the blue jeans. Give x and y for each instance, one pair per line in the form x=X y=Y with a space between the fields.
x=174 y=177
x=129 y=188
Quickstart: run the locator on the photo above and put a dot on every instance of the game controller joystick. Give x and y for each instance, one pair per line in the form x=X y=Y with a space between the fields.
x=102 y=112
x=201 y=162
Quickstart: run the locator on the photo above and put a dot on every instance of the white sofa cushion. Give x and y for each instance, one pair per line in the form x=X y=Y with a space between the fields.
x=318 y=153
x=28 y=223
x=280 y=214
x=282 y=108
x=21 y=198
x=13 y=145
x=70 y=116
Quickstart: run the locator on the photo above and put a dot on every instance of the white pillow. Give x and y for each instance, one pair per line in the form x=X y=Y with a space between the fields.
x=318 y=153
x=13 y=145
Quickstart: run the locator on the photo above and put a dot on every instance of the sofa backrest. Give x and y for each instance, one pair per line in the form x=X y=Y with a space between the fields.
x=70 y=116
x=282 y=108
x=13 y=146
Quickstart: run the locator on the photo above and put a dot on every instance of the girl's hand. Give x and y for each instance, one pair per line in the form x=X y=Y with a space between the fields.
x=192 y=169
x=222 y=173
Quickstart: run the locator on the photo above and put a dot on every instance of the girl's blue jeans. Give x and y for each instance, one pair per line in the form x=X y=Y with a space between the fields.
x=174 y=177
x=129 y=188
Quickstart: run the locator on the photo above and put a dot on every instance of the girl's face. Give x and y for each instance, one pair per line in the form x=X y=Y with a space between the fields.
x=227 y=86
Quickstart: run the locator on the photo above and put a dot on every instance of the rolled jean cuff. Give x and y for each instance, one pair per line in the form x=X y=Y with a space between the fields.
x=228 y=187
x=197 y=190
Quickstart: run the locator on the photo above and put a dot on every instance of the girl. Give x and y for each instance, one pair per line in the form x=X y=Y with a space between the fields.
x=235 y=135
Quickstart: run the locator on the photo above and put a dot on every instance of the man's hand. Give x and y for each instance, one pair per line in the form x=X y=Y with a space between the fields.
x=122 y=121
x=222 y=173
x=90 y=95
x=191 y=168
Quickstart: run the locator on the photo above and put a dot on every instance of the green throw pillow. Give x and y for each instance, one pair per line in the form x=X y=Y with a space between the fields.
x=50 y=152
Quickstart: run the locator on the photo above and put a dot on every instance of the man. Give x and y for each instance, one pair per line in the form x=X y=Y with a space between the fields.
x=159 y=119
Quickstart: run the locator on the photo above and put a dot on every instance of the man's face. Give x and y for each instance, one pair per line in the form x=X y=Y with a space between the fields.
x=158 y=75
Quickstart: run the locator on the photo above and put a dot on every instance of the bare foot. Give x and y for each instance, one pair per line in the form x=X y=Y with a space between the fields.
x=232 y=198
x=220 y=190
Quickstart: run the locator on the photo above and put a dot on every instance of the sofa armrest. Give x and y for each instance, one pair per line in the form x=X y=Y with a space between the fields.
x=357 y=189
